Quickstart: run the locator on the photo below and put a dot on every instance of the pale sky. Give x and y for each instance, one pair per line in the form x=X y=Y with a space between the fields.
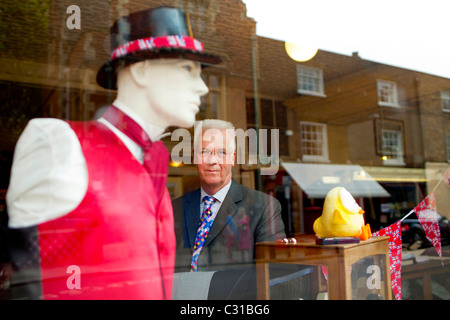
x=412 y=34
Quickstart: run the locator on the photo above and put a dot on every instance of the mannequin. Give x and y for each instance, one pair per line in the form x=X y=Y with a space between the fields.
x=171 y=97
x=80 y=195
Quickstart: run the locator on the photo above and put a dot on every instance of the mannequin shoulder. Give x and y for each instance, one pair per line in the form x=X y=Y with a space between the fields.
x=45 y=132
x=48 y=168
x=46 y=127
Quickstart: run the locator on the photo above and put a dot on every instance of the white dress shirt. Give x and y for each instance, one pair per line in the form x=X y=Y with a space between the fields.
x=220 y=196
x=49 y=175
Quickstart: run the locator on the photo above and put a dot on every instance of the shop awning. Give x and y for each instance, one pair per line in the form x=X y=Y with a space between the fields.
x=317 y=179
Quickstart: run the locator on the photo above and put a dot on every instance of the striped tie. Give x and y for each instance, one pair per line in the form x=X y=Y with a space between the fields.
x=203 y=230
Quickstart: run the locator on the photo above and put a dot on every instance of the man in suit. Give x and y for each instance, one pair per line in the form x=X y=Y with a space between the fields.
x=214 y=155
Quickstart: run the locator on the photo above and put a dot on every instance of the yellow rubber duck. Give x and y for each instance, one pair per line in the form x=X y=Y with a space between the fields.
x=341 y=217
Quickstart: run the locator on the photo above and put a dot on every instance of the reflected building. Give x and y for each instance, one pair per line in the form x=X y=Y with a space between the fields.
x=341 y=119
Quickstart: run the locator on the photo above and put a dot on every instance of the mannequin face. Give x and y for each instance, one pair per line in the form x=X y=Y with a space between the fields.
x=171 y=90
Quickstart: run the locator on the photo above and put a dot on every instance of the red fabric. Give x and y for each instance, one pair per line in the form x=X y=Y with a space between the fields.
x=178 y=42
x=158 y=168
x=428 y=217
x=395 y=255
x=121 y=236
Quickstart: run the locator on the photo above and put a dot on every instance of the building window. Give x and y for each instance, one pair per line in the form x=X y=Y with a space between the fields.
x=272 y=115
x=387 y=93
x=392 y=146
x=310 y=81
x=211 y=103
x=314 y=141
x=445 y=98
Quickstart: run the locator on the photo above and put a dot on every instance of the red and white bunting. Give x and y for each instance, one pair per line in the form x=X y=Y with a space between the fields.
x=395 y=255
x=428 y=217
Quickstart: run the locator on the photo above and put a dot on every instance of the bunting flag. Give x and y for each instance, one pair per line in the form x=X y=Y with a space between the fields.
x=395 y=255
x=447 y=177
x=428 y=217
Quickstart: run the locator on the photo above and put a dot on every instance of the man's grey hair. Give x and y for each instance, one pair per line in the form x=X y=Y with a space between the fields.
x=215 y=124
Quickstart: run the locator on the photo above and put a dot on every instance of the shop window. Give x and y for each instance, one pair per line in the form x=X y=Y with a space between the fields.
x=310 y=81
x=314 y=141
x=445 y=99
x=387 y=93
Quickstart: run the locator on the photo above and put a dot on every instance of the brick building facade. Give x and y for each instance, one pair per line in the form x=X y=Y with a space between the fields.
x=48 y=69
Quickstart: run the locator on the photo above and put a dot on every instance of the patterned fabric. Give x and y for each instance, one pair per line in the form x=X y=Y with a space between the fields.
x=447 y=177
x=178 y=42
x=395 y=255
x=428 y=217
x=203 y=230
x=158 y=170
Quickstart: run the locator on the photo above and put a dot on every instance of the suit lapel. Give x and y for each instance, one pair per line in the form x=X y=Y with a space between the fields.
x=228 y=207
x=191 y=210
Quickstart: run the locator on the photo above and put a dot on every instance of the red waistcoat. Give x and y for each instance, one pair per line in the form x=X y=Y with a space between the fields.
x=119 y=243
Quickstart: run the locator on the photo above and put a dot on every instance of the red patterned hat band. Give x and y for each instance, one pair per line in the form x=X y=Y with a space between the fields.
x=151 y=43
x=155 y=33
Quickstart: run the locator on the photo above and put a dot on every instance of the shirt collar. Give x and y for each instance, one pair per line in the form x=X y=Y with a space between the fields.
x=220 y=195
x=154 y=132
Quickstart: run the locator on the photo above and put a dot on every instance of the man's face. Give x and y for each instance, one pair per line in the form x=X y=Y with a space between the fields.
x=215 y=160
x=173 y=91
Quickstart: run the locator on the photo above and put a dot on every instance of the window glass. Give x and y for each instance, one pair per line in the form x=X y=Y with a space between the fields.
x=88 y=210
x=387 y=93
x=314 y=141
x=309 y=80
x=445 y=96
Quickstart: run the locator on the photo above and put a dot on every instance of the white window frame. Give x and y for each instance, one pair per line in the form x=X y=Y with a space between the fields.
x=387 y=89
x=313 y=77
x=393 y=158
x=445 y=100
x=321 y=143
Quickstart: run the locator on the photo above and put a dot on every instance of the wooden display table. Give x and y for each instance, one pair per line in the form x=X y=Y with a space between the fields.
x=337 y=258
x=424 y=271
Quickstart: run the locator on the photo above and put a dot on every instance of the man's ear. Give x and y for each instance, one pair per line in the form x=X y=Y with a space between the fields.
x=138 y=74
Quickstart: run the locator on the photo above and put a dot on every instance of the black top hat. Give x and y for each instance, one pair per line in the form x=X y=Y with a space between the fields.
x=162 y=32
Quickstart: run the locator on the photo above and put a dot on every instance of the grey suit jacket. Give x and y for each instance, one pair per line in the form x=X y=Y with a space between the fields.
x=265 y=224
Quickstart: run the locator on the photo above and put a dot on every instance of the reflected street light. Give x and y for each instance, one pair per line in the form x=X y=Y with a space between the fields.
x=299 y=52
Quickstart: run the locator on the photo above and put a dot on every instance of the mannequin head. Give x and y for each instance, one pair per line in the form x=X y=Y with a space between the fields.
x=156 y=65
x=163 y=92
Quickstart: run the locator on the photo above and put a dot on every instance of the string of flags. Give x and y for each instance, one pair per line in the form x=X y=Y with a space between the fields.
x=428 y=218
x=395 y=255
